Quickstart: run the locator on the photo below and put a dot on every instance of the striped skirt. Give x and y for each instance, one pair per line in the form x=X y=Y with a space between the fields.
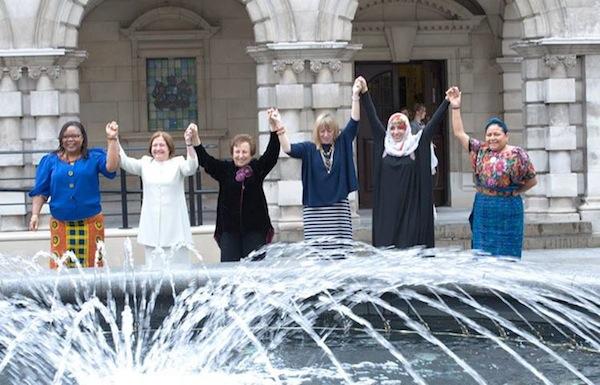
x=80 y=237
x=497 y=225
x=328 y=221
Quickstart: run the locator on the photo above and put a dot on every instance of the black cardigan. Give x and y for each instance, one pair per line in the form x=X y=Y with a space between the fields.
x=241 y=207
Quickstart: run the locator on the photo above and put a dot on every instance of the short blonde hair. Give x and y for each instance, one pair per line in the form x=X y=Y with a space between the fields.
x=168 y=139
x=325 y=120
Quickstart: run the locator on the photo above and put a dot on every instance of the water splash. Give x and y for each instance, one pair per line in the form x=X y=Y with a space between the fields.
x=293 y=317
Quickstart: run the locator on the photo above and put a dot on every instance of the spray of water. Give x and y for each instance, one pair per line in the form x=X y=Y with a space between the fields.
x=244 y=323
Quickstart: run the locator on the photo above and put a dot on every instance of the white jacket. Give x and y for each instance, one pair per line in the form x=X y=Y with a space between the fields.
x=164 y=220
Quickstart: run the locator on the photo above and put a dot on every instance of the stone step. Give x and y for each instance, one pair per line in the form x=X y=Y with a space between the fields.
x=537 y=235
x=462 y=230
x=529 y=243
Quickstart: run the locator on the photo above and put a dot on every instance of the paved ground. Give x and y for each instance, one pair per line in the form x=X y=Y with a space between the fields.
x=573 y=259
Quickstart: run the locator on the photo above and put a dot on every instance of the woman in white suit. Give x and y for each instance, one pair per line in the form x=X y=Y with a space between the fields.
x=164 y=222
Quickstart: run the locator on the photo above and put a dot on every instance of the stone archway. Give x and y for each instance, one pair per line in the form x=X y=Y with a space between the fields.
x=6 y=42
x=543 y=18
x=57 y=26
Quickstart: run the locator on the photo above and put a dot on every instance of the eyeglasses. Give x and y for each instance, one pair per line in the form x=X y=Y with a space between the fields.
x=74 y=137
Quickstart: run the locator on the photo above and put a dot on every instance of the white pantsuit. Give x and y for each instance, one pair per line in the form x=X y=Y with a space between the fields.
x=164 y=220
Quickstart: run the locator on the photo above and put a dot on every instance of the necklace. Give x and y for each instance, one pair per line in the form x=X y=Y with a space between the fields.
x=70 y=160
x=327 y=156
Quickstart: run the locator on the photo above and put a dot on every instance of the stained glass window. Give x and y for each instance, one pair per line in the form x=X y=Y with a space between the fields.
x=171 y=93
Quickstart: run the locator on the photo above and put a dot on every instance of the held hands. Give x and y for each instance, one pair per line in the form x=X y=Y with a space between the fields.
x=356 y=88
x=275 y=121
x=453 y=96
x=112 y=130
x=188 y=135
x=191 y=136
x=363 y=84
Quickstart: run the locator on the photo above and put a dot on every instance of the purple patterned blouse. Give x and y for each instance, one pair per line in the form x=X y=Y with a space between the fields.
x=499 y=173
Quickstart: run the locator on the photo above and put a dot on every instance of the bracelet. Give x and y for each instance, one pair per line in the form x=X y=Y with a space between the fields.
x=111 y=138
x=456 y=108
x=189 y=144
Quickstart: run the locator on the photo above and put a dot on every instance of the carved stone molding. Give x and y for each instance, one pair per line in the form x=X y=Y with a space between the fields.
x=334 y=65
x=280 y=66
x=553 y=61
x=467 y=63
x=14 y=72
x=53 y=72
x=432 y=26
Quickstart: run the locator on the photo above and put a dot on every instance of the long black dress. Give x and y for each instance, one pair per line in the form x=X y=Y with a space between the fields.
x=403 y=187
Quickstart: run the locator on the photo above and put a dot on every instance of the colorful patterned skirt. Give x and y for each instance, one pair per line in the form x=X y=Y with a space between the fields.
x=497 y=224
x=80 y=237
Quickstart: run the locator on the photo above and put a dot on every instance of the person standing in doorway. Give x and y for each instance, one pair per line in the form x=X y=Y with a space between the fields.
x=402 y=178
x=418 y=122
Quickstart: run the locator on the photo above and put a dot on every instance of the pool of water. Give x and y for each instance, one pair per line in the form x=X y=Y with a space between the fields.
x=367 y=362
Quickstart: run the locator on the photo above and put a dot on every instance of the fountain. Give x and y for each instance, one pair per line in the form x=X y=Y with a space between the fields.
x=302 y=316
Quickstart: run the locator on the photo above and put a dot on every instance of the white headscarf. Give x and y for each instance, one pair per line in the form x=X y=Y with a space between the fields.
x=405 y=146
x=409 y=142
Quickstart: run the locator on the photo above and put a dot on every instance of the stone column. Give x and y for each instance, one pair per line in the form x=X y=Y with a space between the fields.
x=535 y=122
x=44 y=108
x=561 y=182
x=590 y=209
x=11 y=216
x=289 y=99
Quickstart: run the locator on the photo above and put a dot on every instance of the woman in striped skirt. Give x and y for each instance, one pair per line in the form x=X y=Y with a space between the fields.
x=502 y=173
x=328 y=172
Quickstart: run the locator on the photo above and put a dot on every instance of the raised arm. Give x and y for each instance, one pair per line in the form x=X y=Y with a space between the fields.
x=377 y=128
x=214 y=167
x=356 y=89
x=112 y=147
x=190 y=165
x=277 y=127
x=268 y=159
x=436 y=120
x=131 y=165
x=453 y=95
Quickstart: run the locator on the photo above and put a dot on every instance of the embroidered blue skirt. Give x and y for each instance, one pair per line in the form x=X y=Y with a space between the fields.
x=497 y=224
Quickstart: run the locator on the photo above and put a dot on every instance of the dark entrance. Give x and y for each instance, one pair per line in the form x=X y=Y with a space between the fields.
x=393 y=86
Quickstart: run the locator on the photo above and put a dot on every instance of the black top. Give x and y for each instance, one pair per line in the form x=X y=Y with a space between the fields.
x=241 y=206
x=403 y=186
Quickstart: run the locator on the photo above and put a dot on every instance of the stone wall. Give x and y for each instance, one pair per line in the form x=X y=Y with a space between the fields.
x=84 y=58
x=119 y=38
x=112 y=84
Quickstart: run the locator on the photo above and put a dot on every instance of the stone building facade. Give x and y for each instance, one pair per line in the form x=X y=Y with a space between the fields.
x=536 y=63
